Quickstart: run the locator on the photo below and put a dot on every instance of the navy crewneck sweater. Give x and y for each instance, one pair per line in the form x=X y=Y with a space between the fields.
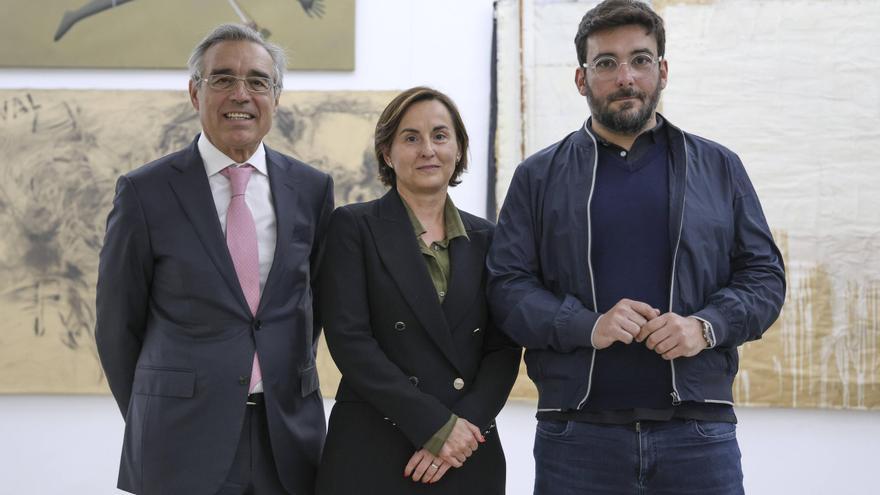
x=632 y=257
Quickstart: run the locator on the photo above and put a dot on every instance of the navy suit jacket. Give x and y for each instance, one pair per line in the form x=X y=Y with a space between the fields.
x=176 y=338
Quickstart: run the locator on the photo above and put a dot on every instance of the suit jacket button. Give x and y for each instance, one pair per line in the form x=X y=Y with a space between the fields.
x=400 y=326
x=458 y=384
x=257 y=325
x=414 y=380
x=242 y=380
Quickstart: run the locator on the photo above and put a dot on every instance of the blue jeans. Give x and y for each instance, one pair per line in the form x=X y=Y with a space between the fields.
x=670 y=457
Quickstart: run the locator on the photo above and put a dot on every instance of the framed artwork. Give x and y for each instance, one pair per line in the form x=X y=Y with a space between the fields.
x=159 y=34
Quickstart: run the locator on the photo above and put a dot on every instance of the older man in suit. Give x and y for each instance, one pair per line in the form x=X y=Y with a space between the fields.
x=205 y=320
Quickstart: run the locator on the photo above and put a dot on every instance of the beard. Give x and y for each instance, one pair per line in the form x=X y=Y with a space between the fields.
x=624 y=121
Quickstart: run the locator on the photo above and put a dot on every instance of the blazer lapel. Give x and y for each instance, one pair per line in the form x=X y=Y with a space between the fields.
x=467 y=260
x=399 y=250
x=194 y=194
x=284 y=199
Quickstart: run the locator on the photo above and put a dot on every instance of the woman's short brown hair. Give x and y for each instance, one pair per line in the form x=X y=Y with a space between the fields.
x=390 y=119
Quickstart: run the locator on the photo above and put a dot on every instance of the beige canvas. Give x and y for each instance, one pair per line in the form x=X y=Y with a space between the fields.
x=784 y=84
x=159 y=34
x=63 y=151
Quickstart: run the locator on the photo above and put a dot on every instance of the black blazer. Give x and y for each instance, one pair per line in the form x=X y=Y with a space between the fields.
x=176 y=337
x=407 y=361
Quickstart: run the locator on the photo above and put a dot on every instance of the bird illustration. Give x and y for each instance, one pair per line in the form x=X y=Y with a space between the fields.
x=71 y=17
x=312 y=8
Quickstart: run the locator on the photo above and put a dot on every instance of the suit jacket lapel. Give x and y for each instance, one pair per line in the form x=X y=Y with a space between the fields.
x=466 y=258
x=194 y=194
x=399 y=250
x=284 y=199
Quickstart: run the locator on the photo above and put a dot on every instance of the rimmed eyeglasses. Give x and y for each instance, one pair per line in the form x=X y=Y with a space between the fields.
x=606 y=67
x=226 y=82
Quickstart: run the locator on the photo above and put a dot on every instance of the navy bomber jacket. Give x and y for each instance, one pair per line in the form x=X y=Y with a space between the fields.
x=726 y=269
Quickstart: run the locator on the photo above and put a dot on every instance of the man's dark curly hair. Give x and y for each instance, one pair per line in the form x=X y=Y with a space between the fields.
x=616 y=13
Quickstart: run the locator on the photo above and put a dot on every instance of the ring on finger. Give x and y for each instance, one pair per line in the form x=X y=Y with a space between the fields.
x=435 y=466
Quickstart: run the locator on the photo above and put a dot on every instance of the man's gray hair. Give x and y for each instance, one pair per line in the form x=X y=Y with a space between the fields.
x=236 y=32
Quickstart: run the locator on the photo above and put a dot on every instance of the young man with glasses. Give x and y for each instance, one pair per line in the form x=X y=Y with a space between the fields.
x=205 y=322
x=631 y=259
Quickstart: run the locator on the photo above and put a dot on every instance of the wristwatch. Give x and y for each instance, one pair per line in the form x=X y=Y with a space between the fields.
x=707 y=334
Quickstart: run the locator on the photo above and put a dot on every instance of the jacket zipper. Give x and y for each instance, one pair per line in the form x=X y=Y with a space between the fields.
x=590 y=256
x=676 y=397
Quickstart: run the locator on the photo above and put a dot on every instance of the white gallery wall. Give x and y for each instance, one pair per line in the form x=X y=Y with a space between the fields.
x=71 y=444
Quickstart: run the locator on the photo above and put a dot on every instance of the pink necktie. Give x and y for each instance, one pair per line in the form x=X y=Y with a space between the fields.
x=241 y=239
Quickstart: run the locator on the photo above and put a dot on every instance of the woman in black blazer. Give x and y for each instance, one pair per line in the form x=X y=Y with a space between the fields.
x=402 y=293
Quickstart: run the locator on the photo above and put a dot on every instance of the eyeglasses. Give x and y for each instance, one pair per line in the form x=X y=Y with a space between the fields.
x=606 y=67
x=226 y=82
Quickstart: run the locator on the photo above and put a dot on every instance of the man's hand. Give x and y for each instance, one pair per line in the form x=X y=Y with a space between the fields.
x=424 y=467
x=622 y=323
x=462 y=442
x=673 y=336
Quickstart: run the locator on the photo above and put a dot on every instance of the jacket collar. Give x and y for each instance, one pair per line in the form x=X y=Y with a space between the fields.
x=678 y=170
x=466 y=273
x=215 y=160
